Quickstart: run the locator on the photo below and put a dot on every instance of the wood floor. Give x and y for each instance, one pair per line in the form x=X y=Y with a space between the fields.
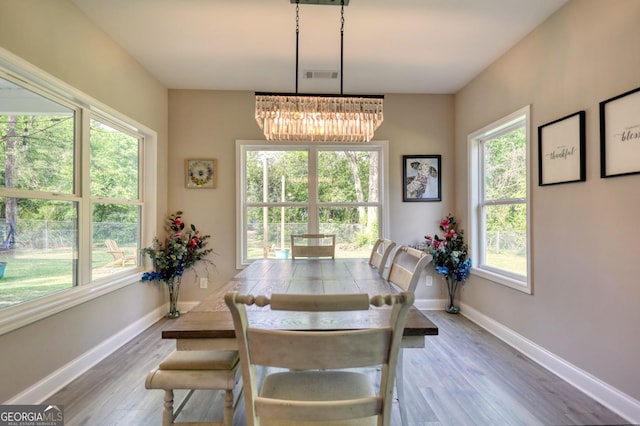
x=464 y=376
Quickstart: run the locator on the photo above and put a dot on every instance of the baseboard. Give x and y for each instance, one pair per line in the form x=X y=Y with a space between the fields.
x=55 y=381
x=430 y=304
x=617 y=401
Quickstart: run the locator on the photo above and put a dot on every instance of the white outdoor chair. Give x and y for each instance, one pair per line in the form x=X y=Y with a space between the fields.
x=315 y=388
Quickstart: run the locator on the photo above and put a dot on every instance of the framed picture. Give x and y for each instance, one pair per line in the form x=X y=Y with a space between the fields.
x=561 y=150
x=620 y=135
x=201 y=173
x=421 y=178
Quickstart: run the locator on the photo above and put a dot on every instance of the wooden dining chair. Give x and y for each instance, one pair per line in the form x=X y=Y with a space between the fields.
x=406 y=267
x=316 y=245
x=316 y=388
x=380 y=254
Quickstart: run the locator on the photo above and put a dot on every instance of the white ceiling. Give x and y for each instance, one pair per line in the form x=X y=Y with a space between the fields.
x=390 y=46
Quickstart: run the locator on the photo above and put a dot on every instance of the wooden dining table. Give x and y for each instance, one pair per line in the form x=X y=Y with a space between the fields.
x=209 y=325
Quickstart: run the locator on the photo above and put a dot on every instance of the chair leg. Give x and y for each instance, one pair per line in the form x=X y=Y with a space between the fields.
x=167 y=412
x=402 y=403
x=227 y=418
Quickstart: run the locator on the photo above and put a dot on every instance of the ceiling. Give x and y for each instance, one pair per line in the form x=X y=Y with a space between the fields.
x=399 y=46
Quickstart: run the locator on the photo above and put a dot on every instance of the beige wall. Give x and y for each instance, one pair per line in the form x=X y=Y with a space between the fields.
x=584 y=306
x=584 y=234
x=206 y=124
x=55 y=37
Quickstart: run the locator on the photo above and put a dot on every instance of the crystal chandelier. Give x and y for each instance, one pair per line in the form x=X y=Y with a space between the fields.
x=319 y=118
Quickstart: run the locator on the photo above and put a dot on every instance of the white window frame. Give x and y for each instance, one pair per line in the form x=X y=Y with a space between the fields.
x=26 y=75
x=243 y=145
x=476 y=234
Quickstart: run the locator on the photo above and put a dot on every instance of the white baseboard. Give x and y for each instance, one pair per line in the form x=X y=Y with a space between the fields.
x=41 y=390
x=617 y=401
x=430 y=304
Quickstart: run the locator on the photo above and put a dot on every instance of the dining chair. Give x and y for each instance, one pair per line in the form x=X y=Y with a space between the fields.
x=406 y=267
x=320 y=383
x=317 y=245
x=380 y=254
x=193 y=370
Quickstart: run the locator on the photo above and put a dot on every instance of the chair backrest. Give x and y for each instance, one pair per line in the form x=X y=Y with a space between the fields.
x=406 y=267
x=380 y=253
x=319 y=350
x=316 y=245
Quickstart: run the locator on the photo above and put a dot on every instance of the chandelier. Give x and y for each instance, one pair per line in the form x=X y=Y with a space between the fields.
x=319 y=117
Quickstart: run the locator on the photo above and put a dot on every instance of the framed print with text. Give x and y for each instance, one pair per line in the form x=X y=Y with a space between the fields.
x=421 y=178
x=620 y=135
x=561 y=150
x=201 y=173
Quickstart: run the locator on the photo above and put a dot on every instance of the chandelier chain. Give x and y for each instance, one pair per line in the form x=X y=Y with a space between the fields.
x=341 y=46
x=297 y=38
x=319 y=118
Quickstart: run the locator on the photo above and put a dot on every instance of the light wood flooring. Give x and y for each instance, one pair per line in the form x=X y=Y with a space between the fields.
x=464 y=376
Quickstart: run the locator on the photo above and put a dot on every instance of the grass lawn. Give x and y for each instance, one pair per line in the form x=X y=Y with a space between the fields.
x=32 y=274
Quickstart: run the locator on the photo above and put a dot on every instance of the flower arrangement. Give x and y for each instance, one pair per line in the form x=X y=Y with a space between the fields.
x=450 y=256
x=179 y=251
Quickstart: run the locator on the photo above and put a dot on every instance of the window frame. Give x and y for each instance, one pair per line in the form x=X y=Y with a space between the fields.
x=517 y=119
x=314 y=204
x=22 y=73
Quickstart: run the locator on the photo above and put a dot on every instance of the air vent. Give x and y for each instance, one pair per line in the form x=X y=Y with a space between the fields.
x=327 y=2
x=331 y=75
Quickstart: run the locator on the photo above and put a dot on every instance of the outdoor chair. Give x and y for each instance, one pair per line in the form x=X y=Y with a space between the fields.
x=119 y=257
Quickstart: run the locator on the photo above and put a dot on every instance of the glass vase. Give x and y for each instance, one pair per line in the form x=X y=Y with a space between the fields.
x=452 y=287
x=174 y=290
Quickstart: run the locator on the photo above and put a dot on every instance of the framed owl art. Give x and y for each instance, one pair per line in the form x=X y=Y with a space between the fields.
x=201 y=173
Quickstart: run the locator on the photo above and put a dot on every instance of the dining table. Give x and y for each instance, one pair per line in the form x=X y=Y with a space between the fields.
x=209 y=325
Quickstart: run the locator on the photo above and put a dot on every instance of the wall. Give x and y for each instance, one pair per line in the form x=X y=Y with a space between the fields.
x=205 y=124
x=56 y=37
x=585 y=267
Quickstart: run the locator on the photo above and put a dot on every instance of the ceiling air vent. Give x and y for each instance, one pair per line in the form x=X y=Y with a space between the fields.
x=321 y=74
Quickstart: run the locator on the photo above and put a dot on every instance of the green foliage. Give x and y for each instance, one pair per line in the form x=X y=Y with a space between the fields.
x=505 y=178
x=37 y=153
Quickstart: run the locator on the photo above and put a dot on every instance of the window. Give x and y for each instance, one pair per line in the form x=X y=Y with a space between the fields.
x=70 y=179
x=294 y=188
x=499 y=213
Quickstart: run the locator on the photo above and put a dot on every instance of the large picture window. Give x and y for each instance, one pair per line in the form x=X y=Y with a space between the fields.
x=293 y=189
x=71 y=189
x=499 y=212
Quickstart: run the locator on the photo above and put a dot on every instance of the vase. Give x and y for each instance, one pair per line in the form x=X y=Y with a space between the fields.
x=174 y=290
x=452 y=287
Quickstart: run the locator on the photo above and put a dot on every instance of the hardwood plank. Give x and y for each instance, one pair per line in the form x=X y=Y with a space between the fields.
x=464 y=376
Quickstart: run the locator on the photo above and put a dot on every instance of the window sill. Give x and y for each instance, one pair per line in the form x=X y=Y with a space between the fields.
x=516 y=284
x=29 y=312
